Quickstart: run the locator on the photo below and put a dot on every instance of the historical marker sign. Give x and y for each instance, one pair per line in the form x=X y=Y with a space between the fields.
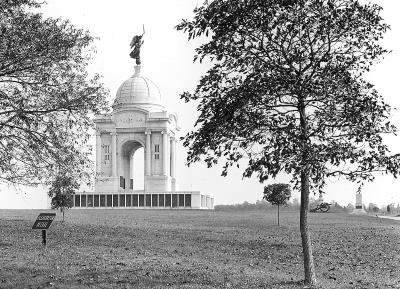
x=44 y=221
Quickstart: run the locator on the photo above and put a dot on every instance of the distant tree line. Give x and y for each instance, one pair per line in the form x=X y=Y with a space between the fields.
x=293 y=204
x=388 y=208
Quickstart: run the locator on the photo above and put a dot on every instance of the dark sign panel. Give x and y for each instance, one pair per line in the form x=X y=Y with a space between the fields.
x=44 y=221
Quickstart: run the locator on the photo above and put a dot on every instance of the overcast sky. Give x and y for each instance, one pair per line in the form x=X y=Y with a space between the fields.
x=167 y=60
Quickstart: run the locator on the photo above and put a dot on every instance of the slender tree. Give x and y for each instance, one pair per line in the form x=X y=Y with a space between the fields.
x=286 y=92
x=277 y=194
x=62 y=191
x=47 y=97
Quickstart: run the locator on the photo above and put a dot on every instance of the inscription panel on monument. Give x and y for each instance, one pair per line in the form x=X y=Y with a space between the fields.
x=130 y=119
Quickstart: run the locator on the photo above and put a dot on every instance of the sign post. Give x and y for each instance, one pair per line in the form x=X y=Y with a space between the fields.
x=44 y=237
x=43 y=222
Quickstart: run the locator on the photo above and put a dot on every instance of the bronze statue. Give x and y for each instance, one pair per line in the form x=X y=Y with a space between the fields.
x=136 y=43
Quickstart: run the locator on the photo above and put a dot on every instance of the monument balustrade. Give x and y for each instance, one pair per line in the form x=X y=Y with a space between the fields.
x=185 y=200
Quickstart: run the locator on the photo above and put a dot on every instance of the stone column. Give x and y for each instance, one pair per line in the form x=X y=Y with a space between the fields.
x=114 y=154
x=168 y=156
x=164 y=153
x=173 y=156
x=148 y=153
x=98 y=152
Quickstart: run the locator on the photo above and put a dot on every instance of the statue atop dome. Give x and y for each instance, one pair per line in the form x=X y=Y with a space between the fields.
x=136 y=43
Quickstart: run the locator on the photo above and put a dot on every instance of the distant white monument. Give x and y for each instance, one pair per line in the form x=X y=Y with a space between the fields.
x=359 y=205
x=138 y=120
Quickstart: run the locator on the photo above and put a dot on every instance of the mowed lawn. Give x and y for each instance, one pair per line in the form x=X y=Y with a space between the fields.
x=195 y=249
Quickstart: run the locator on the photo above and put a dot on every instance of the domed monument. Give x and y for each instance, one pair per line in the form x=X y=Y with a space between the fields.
x=138 y=120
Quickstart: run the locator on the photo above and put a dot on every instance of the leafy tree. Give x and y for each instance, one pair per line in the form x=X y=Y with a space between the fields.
x=62 y=191
x=47 y=97
x=277 y=194
x=286 y=92
x=373 y=207
x=350 y=207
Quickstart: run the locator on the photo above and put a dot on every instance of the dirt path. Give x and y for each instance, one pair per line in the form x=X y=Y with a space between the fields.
x=390 y=217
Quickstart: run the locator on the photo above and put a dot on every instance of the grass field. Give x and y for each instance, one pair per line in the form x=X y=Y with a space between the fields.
x=195 y=249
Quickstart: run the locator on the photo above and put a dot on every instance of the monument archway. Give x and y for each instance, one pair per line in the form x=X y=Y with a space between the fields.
x=138 y=167
x=128 y=163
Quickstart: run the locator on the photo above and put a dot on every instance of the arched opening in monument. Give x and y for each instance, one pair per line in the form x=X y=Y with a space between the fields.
x=137 y=169
x=132 y=166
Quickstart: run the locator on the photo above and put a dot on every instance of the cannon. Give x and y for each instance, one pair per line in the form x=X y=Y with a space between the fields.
x=323 y=207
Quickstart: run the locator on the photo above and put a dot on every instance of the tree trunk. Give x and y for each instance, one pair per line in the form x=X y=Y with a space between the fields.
x=278 y=215
x=309 y=270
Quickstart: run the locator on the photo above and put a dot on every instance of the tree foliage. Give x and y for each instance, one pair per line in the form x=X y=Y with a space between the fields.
x=281 y=64
x=373 y=208
x=47 y=97
x=277 y=194
x=62 y=191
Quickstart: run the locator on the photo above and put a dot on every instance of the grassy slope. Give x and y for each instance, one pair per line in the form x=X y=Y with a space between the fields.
x=195 y=249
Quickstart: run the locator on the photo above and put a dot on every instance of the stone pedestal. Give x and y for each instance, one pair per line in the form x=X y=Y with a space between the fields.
x=106 y=184
x=157 y=183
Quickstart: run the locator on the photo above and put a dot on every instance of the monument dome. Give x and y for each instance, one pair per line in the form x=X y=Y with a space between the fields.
x=138 y=91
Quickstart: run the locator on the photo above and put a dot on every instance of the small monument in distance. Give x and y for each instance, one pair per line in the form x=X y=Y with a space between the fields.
x=359 y=205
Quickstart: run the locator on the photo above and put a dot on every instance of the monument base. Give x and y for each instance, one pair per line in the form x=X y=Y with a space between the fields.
x=359 y=212
x=131 y=199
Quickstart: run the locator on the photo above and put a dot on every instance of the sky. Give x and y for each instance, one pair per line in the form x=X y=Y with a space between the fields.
x=167 y=60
